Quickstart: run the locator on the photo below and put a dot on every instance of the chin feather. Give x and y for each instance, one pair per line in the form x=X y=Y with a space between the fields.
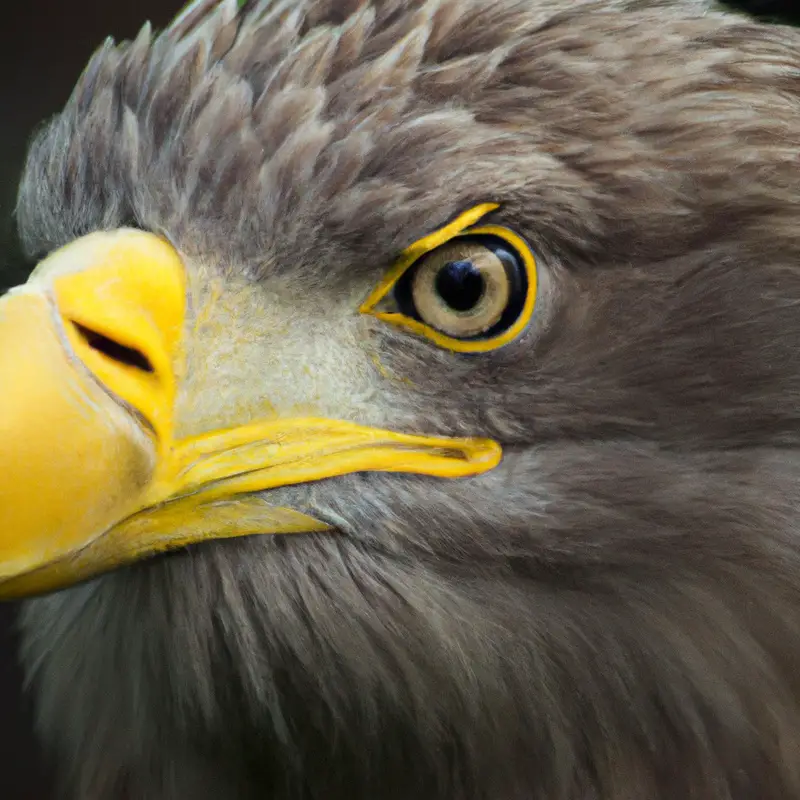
x=463 y=654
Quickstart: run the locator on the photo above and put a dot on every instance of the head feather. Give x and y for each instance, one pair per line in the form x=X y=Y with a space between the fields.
x=620 y=596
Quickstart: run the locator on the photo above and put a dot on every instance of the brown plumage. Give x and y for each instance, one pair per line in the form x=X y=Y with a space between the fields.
x=613 y=613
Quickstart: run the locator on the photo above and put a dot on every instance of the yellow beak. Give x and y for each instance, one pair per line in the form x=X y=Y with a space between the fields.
x=91 y=353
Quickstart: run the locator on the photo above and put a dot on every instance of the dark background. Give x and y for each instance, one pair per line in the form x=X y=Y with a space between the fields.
x=44 y=45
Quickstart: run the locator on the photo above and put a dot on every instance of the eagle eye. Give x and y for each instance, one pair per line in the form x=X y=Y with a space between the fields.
x=468 y=289
x=473 y=287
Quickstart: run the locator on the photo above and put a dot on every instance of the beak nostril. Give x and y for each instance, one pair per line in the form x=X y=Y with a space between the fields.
x=114 y=350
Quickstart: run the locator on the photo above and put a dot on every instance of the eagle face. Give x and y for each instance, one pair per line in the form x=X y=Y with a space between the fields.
x=490 y=311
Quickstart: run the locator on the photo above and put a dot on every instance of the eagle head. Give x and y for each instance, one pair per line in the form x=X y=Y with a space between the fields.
x=406 y=404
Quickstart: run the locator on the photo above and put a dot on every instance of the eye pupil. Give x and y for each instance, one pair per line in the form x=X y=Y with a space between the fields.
x=460 y=284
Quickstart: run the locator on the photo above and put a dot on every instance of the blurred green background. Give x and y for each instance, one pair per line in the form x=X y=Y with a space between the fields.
x=44 y=45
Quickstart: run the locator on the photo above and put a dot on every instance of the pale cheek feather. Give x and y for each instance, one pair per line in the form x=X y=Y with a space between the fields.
x=268 y=354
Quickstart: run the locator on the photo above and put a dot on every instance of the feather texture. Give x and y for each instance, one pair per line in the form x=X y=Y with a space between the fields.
x=611 y=614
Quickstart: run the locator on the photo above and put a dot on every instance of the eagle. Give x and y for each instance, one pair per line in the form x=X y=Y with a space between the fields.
x=406 y=405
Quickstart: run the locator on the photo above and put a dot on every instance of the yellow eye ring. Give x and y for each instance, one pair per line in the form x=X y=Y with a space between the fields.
x=382 y=305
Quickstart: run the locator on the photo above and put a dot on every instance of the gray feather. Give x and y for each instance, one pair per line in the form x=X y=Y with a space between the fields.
x=611 y=614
